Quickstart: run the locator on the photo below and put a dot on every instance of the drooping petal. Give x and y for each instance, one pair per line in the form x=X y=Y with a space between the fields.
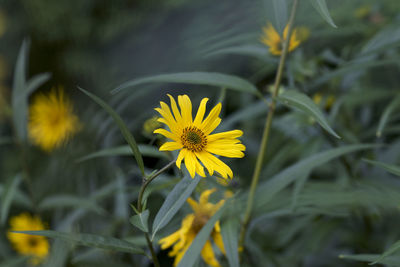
x=190 y=163
x=168 y=241
x=205 y=195
x=226 y=149
x=200 y=112
x=167 y=134
x=205 y=162
x=199 y=169
x=170 y=146
x=207 y=254
x=193 y=204
x=186 y=109
x=217 y=237
x=219 y=165
x=181 y=156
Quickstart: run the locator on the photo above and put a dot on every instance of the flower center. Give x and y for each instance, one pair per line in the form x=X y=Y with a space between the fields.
x=32 y=241
x=199 y=221
x=193 y=139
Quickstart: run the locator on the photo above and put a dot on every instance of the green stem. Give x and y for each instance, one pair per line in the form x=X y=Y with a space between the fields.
x=146 y=182
x=267 y=128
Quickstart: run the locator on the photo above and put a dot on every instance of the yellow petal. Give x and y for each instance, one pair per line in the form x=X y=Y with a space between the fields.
x=181 y=156
x=205 y=195
x=186 y=109
x=190 y=163
x=200 y=112
x=217 y=237
x=212 y=120
x=207 y=254
x=175 y=110
x=225 y=135
x=170 y=146
x=206 y=162
x=168 y=241
x=193 y=204
x=167 y=134
x=219 y=166
x=226 y=149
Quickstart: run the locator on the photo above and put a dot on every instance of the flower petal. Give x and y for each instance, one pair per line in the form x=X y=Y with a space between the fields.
x=170 y=146
x=181 y=156
x=175 y=109
x=205 y=162
x=226 y=149
x=212 y=120
x=219 y=165
x=166 y=134
x=225 y=135
x=190 y=163
x=207 y=254
x=186 y=110
x=200 y=112
x=217 y=237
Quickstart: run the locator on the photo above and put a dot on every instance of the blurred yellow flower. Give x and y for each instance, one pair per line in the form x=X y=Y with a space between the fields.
x=325 y=102
x=191 y=226
x=274 y=41
x=51 y=120
x=151 y=124
x=363 y=11
x=194 y=138
x=30 y=245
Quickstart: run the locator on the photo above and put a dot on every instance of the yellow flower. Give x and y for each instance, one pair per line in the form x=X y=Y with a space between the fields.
x=51 y=120
x=194 y=138
x=151 y=124
x=271 y=38
x=191 y=226
x=30 y=245
x=326 y=101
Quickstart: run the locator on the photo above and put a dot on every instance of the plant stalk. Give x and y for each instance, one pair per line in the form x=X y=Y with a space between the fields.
x=267 y=129
x=146 y=182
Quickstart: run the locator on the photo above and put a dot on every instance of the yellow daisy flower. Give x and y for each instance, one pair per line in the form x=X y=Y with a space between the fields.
x=272 y=39
x=29 y=245
x=51 y=120
x=191 y=226
x=150 y=125
x=194 y=138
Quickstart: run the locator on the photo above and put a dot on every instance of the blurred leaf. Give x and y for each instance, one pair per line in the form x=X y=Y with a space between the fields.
x=390 y=260
x=59 y=201
x=298 y=186
x=322 y=9
x=5 y=141
x=90 y=240
x=6 y=199
x=22 y=89
x=268 y=189
x=229 y=231
x=386 y=114
x=141 y=221
x=204 y=78
x=304 y=103
x=193 y=252
x=124 y=130
x=382 y=41
x=257 y=51
x=15 y=262
x=174 y=201
x=388 y=167
x=280 y=14
x=145 y=150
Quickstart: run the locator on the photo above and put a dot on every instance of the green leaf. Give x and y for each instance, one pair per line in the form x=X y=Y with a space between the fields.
x=392 y=249
x=390 y=260
x=268 y=189
x=5 y=140
x=322 y=9
x=90 y=240
x=62 y=201
x=229 y=231
x=204 y=78
x=386 y=114
x=257 y=51
x=15 y=261
x=193 y=252
x=304 y=103
x=145 y=150
x=22 y=89
x=6 y=198
x=124 y=130
x=140 y=221
x=174 y=201
x=388 y=167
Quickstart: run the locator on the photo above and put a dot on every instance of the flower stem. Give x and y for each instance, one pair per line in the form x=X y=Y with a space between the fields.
x=146 y=182
x=267 y=128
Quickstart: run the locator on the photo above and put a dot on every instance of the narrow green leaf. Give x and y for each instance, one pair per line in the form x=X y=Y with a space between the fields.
x=174 y=201
x=193 y=252
x=124 y=130
x=280 y=14
x=304 y=103
x=70 y=201
x=388 y=167
x=322 y=9
x=229 y=231
x=257 y=51
x=90 y=240
x=268 y=189
x=386 y=114
x=392 y=249
x=140 y=221
x=19 y=106
x=145 y=150
x=298 y=186
x=390 y=260
x=6 y=198
x=36 y=81
x=204 y=78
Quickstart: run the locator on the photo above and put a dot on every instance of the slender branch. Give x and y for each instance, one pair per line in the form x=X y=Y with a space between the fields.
x=267 y=128
x=146 y=182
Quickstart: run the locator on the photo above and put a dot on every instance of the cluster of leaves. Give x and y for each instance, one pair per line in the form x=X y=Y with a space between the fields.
x=329 y=191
